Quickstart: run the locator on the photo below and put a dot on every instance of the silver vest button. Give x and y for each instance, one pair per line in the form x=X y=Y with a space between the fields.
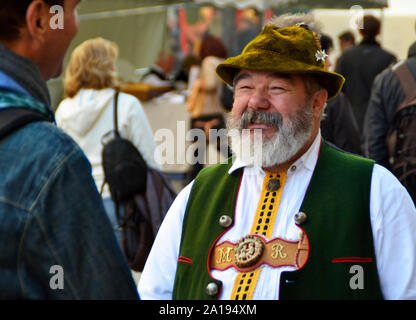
x=212 y=289
x=300 y=218
x=225 y=221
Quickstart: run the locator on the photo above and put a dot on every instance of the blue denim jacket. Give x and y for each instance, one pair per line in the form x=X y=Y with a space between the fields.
x=56 y=241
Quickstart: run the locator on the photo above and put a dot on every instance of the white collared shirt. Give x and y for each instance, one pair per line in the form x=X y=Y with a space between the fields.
x=392 y=215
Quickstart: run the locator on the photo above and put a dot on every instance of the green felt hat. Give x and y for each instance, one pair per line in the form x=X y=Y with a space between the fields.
x=292 y=49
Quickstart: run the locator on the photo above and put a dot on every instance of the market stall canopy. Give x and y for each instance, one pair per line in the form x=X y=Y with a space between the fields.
x=288 y=5
x=139 y=27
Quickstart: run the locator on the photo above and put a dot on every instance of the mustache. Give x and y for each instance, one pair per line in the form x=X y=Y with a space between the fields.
x=274 y=119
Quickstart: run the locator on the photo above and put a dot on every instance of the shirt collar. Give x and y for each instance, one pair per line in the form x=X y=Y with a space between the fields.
x=307 y=160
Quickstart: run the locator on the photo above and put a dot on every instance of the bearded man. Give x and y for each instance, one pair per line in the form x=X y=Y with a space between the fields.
x=291 y=217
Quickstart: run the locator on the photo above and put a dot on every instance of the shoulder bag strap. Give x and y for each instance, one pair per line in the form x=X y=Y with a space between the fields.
x=115 y=118
x=115 y=114
x=407 y=81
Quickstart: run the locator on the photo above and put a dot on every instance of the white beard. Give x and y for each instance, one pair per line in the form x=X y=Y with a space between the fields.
x=287 y=141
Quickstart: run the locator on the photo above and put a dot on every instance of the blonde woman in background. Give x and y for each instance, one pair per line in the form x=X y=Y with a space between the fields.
x=86 y=113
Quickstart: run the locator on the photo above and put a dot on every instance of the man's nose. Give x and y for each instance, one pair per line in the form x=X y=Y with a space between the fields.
x=258 y=100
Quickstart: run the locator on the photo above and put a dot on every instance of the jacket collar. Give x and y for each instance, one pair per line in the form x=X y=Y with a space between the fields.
x=371 y=42
x=24 y=73
x=9 y=99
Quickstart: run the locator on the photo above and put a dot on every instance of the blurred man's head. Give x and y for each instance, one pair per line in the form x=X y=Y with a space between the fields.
x=212 y=46
x=29 y=29
x=346 y=40
x=371 y=27
x=327 y=44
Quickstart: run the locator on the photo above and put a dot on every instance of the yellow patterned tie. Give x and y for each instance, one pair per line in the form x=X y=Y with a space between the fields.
x=263 y=224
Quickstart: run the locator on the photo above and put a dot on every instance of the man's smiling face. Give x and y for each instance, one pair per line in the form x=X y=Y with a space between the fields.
x=281 y=107
x=267 y=92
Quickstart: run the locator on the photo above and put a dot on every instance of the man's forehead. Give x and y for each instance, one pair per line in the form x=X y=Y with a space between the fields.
x=247 y=74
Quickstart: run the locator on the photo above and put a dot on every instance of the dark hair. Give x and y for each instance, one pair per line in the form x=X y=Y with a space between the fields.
x=13 y=15
x=212 y=46
x=371 y=27
x=347 y=36
x=326 y=42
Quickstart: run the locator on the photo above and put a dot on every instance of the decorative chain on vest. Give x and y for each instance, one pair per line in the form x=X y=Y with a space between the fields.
x=249 y=248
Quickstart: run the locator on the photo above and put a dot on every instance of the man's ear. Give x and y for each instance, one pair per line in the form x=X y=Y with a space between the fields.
x=319 y=99
x=37 y=20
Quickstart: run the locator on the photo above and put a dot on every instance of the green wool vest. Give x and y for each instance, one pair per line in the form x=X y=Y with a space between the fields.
x=337 y=225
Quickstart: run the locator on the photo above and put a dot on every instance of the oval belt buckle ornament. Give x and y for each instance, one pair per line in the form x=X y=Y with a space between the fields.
x=248 y=251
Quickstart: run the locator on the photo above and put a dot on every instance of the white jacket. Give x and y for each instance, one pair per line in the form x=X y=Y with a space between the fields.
x=89 y=115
